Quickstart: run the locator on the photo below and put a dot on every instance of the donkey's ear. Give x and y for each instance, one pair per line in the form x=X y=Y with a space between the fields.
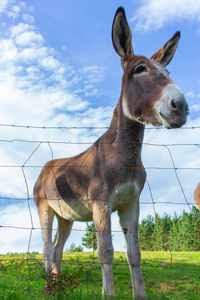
x=121 y=35
x=165 y=54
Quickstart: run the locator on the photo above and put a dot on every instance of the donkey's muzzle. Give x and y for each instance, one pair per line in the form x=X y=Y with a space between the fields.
x=174 y=108
x=178 y=111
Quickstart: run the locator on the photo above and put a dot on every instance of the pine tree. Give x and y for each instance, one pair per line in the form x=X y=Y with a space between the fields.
x=196 y=229
x=174 y=234
x=158 y=235
x=145 y=231
x=90 y=240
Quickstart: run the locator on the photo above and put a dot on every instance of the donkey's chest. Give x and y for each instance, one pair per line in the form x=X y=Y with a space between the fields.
x=124 y=193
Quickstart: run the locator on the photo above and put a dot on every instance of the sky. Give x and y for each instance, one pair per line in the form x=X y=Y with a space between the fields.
x=58 y=68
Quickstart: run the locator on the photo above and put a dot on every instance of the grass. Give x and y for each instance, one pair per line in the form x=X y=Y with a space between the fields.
x=23 y=277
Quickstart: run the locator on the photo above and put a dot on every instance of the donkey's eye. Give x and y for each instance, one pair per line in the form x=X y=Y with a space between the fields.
x=140 y=69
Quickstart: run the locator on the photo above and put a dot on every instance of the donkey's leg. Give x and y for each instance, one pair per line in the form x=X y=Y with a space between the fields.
x=63 y=232
x=102 y=222
x=46 y=214
x=129 y=222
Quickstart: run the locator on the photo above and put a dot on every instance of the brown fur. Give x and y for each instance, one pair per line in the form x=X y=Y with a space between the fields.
x=197 y=195
x=108 y=176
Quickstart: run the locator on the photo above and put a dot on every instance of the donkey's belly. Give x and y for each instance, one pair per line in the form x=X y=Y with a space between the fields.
x=124 y=193
x=72 y=210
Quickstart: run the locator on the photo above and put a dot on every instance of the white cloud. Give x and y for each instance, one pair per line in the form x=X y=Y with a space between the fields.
x=28 y=18
x=153 y=14
x=35 y=88
x=14 y=11
x=28 y=38
x=20 y=28
x=190 y=94
x=91 y=75
x=3 y=5
x=50 y=63
x=16 y=238
x=165 y=186
x=195 y=108
x=94 y=73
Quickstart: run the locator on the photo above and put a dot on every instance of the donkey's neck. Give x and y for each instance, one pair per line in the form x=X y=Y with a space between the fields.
x=127 y=132
x=122 y=142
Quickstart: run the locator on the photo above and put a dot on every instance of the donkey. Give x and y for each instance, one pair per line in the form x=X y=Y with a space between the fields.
x=109 y=175
x=197 y=195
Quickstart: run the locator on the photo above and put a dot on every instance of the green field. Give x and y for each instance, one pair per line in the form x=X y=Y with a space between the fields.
x=22 y=276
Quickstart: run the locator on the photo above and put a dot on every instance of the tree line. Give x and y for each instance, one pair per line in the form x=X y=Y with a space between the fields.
x=171 y=233
x=175 y=233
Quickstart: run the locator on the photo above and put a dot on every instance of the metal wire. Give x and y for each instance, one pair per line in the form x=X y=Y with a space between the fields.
x=91 y=143
x=85 y=127
x=29 y=197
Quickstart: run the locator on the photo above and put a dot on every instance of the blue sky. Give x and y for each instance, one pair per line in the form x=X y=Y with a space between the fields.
x=58 y=68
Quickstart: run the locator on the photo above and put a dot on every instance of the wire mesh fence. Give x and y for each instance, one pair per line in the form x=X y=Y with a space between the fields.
x=83 y=278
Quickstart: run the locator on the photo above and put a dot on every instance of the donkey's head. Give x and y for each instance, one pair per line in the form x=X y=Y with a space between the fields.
x=148 y=96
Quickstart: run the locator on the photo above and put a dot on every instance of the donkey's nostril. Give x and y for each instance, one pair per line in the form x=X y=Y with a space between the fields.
x=179 y=106
x=178 y=109
x=174 y=105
